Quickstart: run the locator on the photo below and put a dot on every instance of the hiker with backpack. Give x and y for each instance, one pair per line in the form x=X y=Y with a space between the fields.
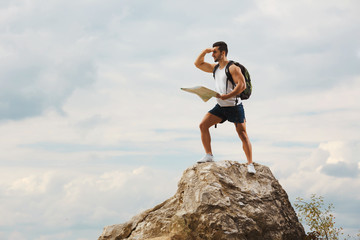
x=232 y=82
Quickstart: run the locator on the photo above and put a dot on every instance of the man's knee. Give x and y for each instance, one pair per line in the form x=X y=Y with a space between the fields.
x=242 y=133
x=203 y=126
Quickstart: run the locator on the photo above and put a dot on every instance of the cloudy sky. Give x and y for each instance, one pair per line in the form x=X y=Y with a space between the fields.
x=94 y=127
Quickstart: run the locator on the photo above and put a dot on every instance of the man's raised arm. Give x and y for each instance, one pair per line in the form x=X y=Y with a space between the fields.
x=201 y=64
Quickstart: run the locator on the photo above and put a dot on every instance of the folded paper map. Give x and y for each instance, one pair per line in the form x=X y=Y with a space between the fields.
x=204 y=93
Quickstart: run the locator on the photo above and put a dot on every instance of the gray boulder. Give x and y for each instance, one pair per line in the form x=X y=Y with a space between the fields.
x=219 y=201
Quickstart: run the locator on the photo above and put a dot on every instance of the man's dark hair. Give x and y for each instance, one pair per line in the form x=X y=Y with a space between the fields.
x=222 y=47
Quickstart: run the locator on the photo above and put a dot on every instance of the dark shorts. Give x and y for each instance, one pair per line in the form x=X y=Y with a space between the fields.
x=233 y=114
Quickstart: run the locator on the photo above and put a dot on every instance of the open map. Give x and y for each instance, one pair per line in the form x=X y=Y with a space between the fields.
x=204 y=93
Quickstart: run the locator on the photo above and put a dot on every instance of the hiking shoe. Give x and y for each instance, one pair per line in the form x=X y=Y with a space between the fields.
x=251 y=168
x=207 y=158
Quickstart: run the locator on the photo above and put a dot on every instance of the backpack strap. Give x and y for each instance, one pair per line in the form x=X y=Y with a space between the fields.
x=229 y=78
x=215 y=68
x=228 y=74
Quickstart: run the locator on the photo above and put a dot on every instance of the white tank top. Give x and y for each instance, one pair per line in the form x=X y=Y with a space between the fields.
x=220 y=87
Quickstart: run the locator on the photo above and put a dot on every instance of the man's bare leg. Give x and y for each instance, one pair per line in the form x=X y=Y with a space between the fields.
x=241 y=130
x=208 y=121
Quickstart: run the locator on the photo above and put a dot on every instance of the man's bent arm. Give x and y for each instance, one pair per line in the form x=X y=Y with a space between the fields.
x=239 y=80
x=201 y=64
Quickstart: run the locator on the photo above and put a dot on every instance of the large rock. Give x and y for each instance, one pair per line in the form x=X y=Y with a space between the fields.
x=218 y=201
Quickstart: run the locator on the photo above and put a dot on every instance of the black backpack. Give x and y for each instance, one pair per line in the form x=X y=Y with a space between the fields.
x=247 y=92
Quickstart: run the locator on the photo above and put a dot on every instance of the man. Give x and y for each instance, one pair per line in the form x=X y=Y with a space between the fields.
x=226 y=108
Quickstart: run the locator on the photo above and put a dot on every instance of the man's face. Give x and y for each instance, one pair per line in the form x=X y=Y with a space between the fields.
x=216 y=54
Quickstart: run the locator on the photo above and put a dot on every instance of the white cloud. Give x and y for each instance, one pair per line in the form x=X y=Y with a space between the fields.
x=29 y=185
x=67 y=198
x=334 y=149
x=16 y=236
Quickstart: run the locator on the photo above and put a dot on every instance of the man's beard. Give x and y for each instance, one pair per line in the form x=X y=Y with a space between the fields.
x=220 y=57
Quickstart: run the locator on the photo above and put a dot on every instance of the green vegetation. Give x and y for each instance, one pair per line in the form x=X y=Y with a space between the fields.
x=318 y=217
